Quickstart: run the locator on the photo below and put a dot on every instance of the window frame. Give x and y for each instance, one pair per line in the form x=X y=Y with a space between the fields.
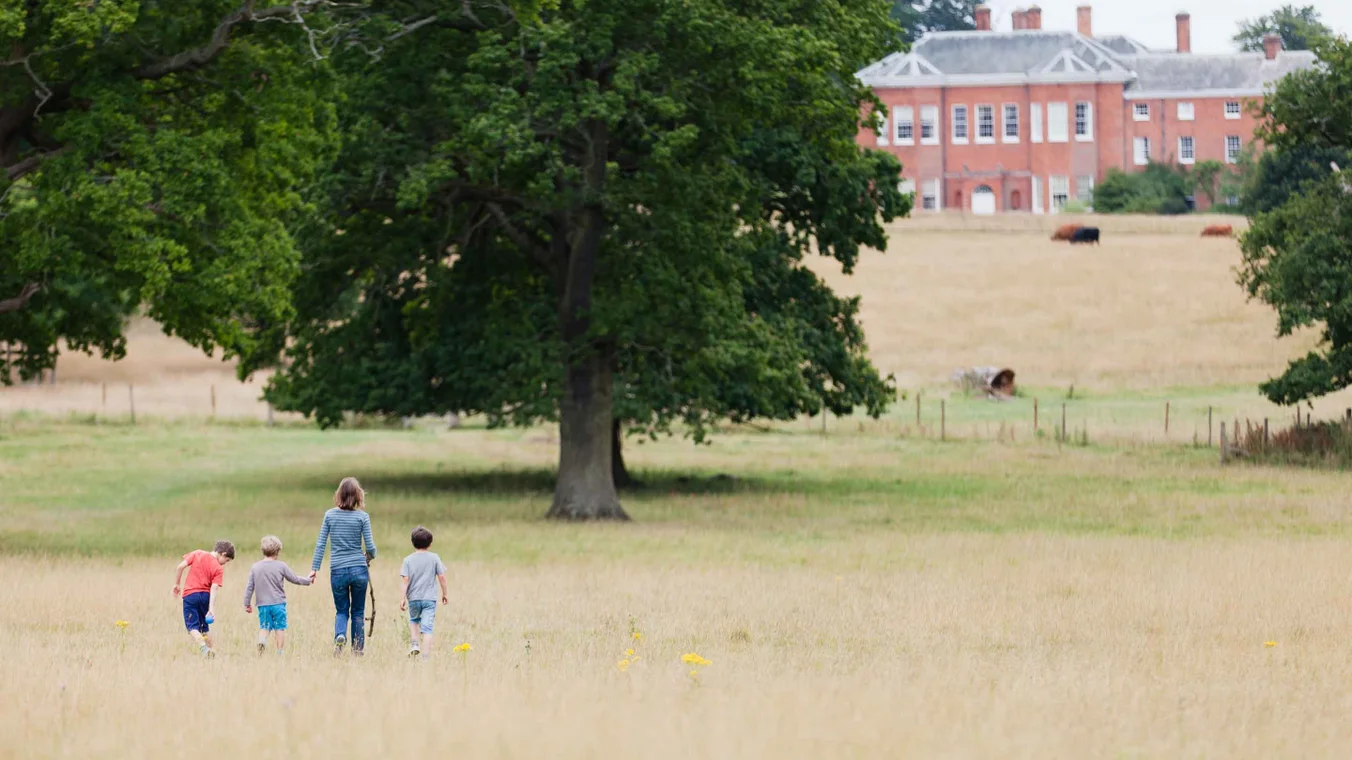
x=1239 y=150
x=898 y=112
x=935 y=198
x=1239 y=109
x=1035 y=129
x=1137 y=115
x=1137 y=155
x=1191 y=112
x=1053 y=136
x=1005 y=123
x=1088 y=135
x=965 y=122
x=934 y=138
x=1192 y=144
x=1080 y=187
x=1052 y=194
x=986 y=108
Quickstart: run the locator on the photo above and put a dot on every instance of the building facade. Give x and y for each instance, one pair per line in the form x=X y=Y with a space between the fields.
x=1027 y=120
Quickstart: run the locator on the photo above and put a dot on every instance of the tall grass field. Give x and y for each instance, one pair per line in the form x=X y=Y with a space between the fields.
x=864 y=589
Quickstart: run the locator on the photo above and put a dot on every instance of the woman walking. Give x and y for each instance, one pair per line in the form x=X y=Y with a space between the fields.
x=347 y=529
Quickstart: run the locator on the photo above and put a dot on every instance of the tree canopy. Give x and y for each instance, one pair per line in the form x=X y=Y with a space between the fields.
x=152 y=153
x=915 y=17
x=1299 y=27
x=597 y=212
x=1298 y=255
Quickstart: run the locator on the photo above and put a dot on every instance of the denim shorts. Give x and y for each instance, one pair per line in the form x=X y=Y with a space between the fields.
x=195 y=608
x=423 y=613
x=272 y=617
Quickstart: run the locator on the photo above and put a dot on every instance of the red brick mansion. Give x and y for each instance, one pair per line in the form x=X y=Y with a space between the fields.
x=1024 y=121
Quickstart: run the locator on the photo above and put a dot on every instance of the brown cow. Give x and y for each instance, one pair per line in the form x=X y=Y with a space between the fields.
x=1066 y=232
x=1219 y=230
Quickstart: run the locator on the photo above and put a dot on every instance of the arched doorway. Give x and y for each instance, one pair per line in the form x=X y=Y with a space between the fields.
x=983 y=200
x=1016 y=201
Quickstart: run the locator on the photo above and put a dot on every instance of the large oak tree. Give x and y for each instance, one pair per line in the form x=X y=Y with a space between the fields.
x=599 y=212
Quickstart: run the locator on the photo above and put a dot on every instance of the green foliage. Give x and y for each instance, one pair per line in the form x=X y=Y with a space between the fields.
x=1159 y=189
x=1298 y=255
x=1287 y=172
x=916 y=17
x=483 y=157
x=1300 y=29
x=147 y=168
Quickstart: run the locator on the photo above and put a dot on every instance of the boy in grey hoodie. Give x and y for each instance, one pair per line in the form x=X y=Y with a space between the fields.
x=267 y=577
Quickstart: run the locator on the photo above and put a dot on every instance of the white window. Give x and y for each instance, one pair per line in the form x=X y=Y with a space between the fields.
x=904 y=116
x=1232 y=200
x=907 y=187
x=929 y=198
x=1056 y=123
x=1187 y=150
x=1232 y=110
x=929 y=125
x=1011 y=133
x=1141 y=151
x=1186 y=112
x=1035 y=114
x=1141 y=112
x=985 y=124
x=1084 y=122
x=1038 y=200
x=960 y=125
x=1232 y=149
x=1060 y=192
x=1084 y=189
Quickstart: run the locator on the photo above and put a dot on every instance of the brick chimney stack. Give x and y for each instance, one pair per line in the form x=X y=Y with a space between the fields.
x=1184 y=33
x=1084 y=15
x=983 y=18
x=1032 y=18
x=1272 y=46
x=1020 y=19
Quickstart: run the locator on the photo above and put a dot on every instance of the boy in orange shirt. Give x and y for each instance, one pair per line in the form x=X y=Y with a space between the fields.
x=205 y=574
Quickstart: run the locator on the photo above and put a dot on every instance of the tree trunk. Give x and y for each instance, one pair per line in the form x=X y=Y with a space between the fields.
x=586 y=485
x=617 y=468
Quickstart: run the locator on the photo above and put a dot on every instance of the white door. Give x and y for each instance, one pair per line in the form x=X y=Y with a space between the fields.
x=983 y=201
x=1038 y=203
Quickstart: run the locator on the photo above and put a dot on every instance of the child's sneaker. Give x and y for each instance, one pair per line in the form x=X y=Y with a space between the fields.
x=414 y=652
x=338 y=642
x=262 y=648
x=209 y=653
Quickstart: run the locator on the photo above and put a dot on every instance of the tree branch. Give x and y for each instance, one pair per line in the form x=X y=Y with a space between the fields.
x=29 y=165
x=19 y=301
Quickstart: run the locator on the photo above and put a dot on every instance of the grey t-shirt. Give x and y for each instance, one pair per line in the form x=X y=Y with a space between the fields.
x=422 y=569
x=266 y=577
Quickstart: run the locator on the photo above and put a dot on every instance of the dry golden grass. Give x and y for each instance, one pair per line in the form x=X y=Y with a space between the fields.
x=981 y=646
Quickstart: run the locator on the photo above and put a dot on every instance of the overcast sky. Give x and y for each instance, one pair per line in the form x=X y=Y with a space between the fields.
x=1214 y=22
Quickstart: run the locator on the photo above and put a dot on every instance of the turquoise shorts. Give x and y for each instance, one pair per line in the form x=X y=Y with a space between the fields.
x=272 y=617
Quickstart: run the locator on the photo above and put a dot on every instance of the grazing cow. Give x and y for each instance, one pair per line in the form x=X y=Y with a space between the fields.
x=1219 y=230
x=1086 y=235
x=1066 y=232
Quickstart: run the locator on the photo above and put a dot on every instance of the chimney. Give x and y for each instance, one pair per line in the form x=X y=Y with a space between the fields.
x=983 y=18
x=1085 y=16
x=1184 y=33
x=1272 y=46
x=1032 y=18
x=1020 y=19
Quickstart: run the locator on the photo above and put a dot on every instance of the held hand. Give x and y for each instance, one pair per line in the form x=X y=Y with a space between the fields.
x=313 y=573
x=403 y=605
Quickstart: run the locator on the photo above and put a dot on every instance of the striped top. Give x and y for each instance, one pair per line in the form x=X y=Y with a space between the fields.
x=345 y=529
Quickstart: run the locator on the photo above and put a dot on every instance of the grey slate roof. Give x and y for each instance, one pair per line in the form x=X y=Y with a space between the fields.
x=1039 y=55
x=1189 y=72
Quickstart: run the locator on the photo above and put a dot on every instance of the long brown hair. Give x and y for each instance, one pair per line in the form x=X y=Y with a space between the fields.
x=349 y=495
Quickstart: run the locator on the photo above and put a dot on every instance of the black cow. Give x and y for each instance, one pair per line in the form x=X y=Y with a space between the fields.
x=1085 y=235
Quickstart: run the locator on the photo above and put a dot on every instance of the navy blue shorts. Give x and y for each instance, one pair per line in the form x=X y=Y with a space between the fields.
x=195 y=608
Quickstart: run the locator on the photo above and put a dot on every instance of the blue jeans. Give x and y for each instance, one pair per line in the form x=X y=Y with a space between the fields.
x=349 y=599
x=423 y=614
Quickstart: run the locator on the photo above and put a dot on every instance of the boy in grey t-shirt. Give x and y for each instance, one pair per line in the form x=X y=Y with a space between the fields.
x=266 y=582
x=422 y=571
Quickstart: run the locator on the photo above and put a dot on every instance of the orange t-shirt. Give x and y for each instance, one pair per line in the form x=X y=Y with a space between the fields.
x=203 y=572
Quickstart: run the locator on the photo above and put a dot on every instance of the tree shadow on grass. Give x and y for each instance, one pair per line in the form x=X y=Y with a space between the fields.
x=536 y=482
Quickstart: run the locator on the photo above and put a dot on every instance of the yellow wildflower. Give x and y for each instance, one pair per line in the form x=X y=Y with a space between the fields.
x=693 y=659
x=1269 y=644
x=623 y=665
x=462 y=648
x=694 y=674
x=122 y=624
x=638 y=636
x=629 y=652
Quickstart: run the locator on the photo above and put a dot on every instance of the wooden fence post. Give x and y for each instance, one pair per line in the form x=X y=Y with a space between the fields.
x=1208 y=427
x=1063 y=423
x=105 y=396
x=1223 y=451
x=1265 y=432
x=943 y=420
x=271 y=422
x=213 y=400
x=131 y=401
x=1166 y=418
x=917 y=411
x=1035 y=414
